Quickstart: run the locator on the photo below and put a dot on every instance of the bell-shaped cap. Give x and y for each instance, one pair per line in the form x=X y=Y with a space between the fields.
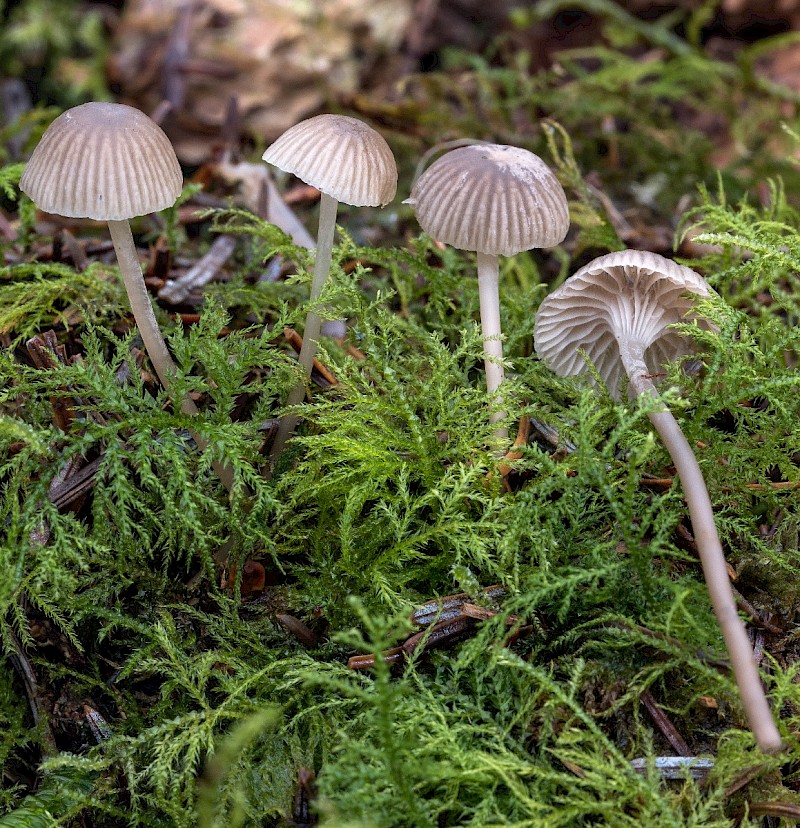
x=340 y=156
x=103 y=161
x=621 y=300
x=491 y=198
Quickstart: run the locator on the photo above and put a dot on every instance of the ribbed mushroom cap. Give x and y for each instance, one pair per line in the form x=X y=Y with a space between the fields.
x=340 y=156
x=491 y=198
x=625 y=299
x=103 y=161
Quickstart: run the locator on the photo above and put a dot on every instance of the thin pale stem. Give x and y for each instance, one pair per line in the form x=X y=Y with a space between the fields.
x=489 y=296
x=142 y=309
x=322 y=266
x=328 y=207
x=712 y=558
x=148 y=327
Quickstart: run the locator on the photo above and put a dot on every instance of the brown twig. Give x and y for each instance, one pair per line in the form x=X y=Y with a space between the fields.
x=744 y=778
x=356 y=353
x=656 y=482
x=782 y=485
x=663 y=723
x=778 y=810
x=296 y=341
x=755 y=616
x=446 y=619
x=366 y=660
x=523 y=432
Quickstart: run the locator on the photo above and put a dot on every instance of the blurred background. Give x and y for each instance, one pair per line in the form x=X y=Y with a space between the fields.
x=283 y=60
x=654 y=99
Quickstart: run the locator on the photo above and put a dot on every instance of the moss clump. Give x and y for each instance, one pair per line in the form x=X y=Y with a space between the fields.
x=127 y=596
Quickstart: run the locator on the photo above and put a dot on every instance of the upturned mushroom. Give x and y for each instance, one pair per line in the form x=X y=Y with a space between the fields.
x=498 y=201
x=347 y=161
x=617 y=312
x=110 y=162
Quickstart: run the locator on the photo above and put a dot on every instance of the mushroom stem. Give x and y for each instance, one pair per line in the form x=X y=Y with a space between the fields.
x=712 y=559
x=489 y=296
x=328 y=208
x=145 y=320
x=142 y=309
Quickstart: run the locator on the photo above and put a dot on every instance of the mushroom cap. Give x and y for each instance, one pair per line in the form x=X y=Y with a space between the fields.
x=626 y=299
x=340 y=156
x=491 y=198
x=103 y=161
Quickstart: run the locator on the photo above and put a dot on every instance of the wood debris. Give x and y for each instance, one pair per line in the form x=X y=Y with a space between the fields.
x=201 y=273
x=445 y=620
x=279 y=59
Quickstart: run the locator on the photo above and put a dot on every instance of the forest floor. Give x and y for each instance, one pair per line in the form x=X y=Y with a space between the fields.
x=408 y=621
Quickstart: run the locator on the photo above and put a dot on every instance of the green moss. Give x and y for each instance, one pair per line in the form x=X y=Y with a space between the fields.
x=390 y=495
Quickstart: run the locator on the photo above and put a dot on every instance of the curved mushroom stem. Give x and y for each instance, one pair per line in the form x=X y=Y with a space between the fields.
x=489 y=296
x=148 y=327
x=712 y=559
x=328 y=208
x=142 y=309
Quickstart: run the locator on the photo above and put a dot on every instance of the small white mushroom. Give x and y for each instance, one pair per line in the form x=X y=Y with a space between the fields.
x=617 y=311
x=348 y=161
x=110 y=162
x=496 y=200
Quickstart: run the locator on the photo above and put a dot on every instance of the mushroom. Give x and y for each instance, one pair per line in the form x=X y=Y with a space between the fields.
x=496 y=200
x=346 y=160
x=110 y=162
x=617 y=312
